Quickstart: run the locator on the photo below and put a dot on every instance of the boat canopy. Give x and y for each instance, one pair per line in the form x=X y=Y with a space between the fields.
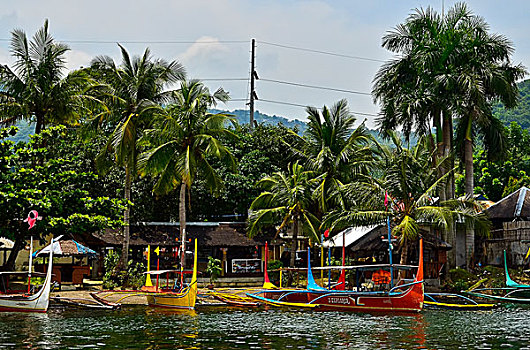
x=350 y=236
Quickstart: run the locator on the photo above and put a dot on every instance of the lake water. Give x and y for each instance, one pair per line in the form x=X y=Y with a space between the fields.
x=231 y=328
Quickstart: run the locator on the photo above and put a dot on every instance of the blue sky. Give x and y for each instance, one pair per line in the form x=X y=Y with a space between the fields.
x=351 y=28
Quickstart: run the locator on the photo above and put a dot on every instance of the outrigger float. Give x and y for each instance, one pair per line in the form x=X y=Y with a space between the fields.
x=407 y=297
x=454 y=302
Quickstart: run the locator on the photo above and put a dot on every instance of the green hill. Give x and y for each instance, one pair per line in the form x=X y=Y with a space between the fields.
x=242 y=117
x=521 y=113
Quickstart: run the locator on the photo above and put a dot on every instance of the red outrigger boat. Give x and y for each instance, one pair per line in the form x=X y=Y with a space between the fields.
x=407 y=297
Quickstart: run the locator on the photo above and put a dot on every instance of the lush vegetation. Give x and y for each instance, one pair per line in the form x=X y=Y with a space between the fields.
x=521 y=113
x=146 y=144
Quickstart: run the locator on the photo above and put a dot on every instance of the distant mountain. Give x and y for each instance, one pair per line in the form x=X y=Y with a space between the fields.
x=242 y=117
x=521 y=113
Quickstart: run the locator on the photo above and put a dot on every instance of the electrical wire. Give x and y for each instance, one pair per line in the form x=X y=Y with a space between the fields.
x=316 y=87
x=299 y=105
x=322 y=52
x=147 y=41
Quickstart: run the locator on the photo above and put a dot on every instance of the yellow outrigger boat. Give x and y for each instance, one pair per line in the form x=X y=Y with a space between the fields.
x=185 y=298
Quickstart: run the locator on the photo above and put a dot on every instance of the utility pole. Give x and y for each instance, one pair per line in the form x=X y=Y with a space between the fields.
x=253 y=78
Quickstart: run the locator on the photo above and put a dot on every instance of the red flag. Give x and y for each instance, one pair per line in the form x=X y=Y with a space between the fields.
x=326 y=233
x=386 y=199
x=33 y=216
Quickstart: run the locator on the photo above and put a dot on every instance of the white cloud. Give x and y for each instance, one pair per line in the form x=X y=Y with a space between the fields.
x=204 y=49
x=76 y=59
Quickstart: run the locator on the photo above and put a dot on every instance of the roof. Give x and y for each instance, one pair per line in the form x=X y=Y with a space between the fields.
x=370 y=238
x=349 y=236
x=515 y=205
x=66 y=248
x=220 y=234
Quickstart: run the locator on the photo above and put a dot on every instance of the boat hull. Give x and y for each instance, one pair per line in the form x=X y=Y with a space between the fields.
x=184 y=300
x=37 y=302
x=410 y=300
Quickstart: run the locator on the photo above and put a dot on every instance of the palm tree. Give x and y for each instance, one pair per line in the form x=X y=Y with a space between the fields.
x=331 y=147
x=286 y=201
x=184 y=139
x=454 y=67
x=411 y=181
x=137 y=88
x=37 y=87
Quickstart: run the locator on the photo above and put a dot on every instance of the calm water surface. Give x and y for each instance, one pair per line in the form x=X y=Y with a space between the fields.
x=232 y=328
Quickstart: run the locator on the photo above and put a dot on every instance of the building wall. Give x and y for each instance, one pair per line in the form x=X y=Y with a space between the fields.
x=515 y=240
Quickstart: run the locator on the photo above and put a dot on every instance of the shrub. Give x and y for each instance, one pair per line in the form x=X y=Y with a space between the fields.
x=214 y=268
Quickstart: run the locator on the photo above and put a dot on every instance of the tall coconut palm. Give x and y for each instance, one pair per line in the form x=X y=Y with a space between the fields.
x=184 y=139
x=286 y=201
x=456 y=66
x=137 y=88
x=38 y=88
x=331 y=147
x=411 y=181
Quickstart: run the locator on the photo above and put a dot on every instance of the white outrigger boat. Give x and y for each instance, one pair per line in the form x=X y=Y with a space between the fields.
x=37 y=302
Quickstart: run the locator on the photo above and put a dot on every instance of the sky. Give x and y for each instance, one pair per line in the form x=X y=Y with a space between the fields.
x=333 y=44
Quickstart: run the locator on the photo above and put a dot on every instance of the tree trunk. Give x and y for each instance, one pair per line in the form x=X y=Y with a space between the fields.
x=182 y=221
x=294 y=242
x=449 y=234
x=404 y=257
x=39 y=124
x=19 y=244
x=468 y=160
x=126 y=219
x=439 y=149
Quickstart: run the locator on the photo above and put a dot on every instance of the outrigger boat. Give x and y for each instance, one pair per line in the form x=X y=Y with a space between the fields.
x=37 y=302
x=407 y=297
x=513 y=292
x=185 y=298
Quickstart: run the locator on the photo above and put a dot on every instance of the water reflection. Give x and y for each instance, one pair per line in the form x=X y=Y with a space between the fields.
x=236 y=328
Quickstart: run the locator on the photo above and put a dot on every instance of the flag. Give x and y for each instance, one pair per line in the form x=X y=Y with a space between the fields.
x=386 y=199
x=326 y=233
x=157 y=250
x=33 y=216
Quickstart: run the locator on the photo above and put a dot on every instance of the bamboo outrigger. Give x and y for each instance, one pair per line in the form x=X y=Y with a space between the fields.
x=513 y=292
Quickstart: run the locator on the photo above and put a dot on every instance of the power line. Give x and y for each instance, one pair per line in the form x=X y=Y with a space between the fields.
x=299 y=105
x=147 y=41
x=323 y=52
x=224 y=79
x=316 y=87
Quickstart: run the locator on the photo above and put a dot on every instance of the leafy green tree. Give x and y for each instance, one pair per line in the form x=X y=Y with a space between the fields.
x=334 y=150
x=37 y=88
x=182 y=141
x=410 y=180
x=60 y=188
x=137 y=88
x=497 y=178
x=286 y=201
